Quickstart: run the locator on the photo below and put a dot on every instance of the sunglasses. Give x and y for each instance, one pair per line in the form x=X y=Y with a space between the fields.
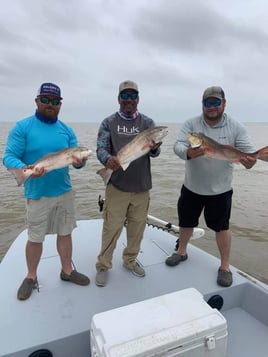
x=53 y=101
x=125 y=96
x=215 y=103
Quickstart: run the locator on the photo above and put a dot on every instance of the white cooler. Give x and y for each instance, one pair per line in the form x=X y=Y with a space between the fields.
x=176 y=324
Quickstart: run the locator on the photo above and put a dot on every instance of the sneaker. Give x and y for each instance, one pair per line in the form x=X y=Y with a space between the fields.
x=101 y=277
x=136 y=269
x=75 y=277
x=175 y=259
x=225 y=278
x=26 y=288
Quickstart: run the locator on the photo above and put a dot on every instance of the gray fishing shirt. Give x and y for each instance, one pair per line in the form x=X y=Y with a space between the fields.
x=114 y=133
x=207 y=176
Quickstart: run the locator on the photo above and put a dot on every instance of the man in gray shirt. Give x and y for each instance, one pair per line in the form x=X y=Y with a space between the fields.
x=127 y=192
x=208 y=182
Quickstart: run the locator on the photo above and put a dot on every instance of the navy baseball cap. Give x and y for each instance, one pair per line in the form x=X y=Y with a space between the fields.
x=49 y=89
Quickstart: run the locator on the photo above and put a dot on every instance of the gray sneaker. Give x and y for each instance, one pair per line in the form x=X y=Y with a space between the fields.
x=175 y=259
x=225 y=278
x=136 y=269
x=101 y=277
x=26 y=288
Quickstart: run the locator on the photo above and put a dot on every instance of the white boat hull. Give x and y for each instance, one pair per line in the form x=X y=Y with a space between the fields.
x=58 y=317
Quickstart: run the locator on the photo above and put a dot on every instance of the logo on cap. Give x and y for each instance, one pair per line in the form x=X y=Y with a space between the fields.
x=49 y=89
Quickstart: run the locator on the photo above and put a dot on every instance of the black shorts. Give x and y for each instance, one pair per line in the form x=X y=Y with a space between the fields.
x=217 y=209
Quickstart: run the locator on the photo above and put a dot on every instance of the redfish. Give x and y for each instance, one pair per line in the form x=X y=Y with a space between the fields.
x=215 y=150
x=51 y=162
x=136 y=148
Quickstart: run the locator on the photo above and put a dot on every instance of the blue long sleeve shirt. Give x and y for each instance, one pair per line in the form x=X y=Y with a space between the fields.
x=28 y=141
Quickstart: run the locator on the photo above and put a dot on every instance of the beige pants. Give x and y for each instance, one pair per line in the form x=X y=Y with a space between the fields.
x=119 y=206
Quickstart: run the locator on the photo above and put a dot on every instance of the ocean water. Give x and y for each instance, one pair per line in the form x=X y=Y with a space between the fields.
x=249 y=222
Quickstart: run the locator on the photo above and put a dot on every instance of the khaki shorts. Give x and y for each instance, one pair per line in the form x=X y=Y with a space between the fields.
x=50 y=215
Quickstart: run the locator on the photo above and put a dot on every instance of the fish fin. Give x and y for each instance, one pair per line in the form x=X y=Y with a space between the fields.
x=209 y=152
x=145 y=147
x=105 y=174
x=125 y=166
x=262 y=154
x=21 y=175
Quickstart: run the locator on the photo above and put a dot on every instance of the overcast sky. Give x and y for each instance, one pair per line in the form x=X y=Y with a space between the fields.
x=173 y=49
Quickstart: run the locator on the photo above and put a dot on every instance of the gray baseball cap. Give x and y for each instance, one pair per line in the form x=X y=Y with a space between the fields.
x=128 y=85
x=215 y=92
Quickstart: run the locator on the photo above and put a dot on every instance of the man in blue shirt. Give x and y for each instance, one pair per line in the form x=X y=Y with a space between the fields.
x=50 y=201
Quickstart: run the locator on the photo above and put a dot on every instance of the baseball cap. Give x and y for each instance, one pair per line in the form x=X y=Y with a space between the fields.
x=49 y=89
x=128 y=85
x=215 y=92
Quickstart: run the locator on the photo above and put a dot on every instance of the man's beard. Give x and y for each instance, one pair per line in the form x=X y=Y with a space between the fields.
x=214 y=118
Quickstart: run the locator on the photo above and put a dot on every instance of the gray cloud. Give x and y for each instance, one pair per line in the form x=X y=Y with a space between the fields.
x=173 y=49
x=195 y=27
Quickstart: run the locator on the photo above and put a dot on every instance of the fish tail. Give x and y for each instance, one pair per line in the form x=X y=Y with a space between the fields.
x=19 y=175
x=262 y=154
x=105 y=174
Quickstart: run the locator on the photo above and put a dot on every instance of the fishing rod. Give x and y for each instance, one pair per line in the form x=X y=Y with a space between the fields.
x=160 y=224
x=170 y=227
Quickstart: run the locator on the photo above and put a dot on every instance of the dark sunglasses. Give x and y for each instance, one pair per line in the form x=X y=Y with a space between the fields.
x=53 y=101
x=125 y=96
x=215 y=103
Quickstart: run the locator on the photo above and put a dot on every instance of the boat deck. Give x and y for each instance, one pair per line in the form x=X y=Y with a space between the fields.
x=58 y=317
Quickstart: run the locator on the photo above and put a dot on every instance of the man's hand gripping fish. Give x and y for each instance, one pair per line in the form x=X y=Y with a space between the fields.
x=215 y=150
x=51 y=162
x=139 y=146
